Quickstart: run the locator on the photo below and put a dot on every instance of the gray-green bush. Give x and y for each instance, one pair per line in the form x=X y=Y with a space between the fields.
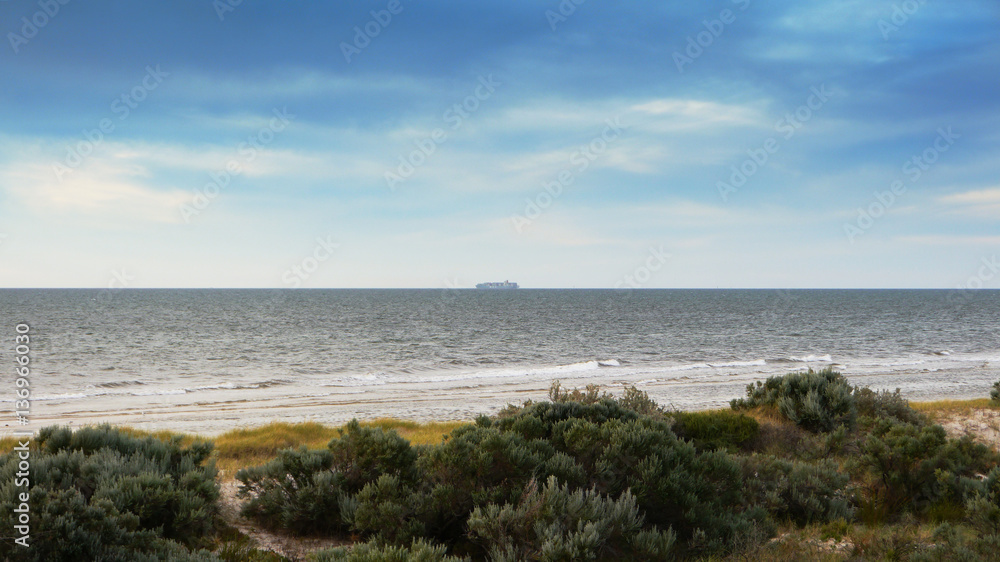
x=555 y=523
x=814 y=400
x=98 y=493
x=802 y=492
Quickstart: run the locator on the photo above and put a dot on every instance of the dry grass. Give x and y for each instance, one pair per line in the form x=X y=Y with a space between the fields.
x=8 y=443
x=429 y=433
x=940 y=408
x=241 y=448
x=253 y=446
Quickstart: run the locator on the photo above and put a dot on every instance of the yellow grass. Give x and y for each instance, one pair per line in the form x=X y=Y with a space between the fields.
x=253 y=446
x=940 y=408
x=246 y=447
x=7 y=444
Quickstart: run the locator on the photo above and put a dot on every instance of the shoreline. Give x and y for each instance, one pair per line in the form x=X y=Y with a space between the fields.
x=215 y=413
x=430 y=402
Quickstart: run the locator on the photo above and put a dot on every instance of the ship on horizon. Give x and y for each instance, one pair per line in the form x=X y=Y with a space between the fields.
x=503 y=285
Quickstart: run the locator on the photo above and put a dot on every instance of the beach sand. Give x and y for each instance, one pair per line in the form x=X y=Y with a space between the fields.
x=214 y=412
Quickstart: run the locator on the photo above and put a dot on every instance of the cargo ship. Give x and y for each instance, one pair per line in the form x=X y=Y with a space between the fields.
x=503 y=285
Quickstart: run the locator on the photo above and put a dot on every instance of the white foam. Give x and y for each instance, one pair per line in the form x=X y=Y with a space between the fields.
x=754 y=363
x=812 y=358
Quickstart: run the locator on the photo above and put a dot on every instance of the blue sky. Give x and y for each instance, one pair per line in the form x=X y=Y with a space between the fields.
x=436 y=144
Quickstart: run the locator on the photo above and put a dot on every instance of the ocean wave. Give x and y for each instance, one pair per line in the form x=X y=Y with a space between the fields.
x=753 y=363
x=527 y=372
x=811 y=358
x=117 y=384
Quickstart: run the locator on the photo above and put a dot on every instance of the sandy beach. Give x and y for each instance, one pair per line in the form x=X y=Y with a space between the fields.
x=213 y=412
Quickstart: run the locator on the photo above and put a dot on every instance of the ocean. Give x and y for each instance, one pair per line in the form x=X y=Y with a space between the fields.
x=209 y=360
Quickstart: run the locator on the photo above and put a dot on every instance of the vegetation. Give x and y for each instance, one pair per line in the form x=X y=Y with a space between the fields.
x=816 y=401
x=805 y=467
x=100 y=494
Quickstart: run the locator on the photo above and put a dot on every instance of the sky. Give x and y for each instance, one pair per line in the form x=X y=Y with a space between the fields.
x=405 y=143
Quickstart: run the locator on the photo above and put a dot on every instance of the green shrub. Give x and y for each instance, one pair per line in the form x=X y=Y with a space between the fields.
x=306 y=491
x=708 y=431
x=916 y=466
x=362 y=454
x=885 y=404
x=297 y=492
x=374 y=487
x=419 y=551
x=816 y=401
x=995 y=393
x=555 y=523
x=984 y=505
x=482 y=464
x=388 y=511
x=674 y=485
x=98 y=493
x=957 y=543
x=802 y=492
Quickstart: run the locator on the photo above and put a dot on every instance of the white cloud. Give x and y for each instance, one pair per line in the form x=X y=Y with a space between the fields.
x=108 y=187
x=975 y=197
x=983 y=203
x=680 y=114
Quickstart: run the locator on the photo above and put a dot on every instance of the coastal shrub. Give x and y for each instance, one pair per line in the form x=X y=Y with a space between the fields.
x=374 y=484
x=716 y=430
x=695 y=494
x=885 y=404
x=482 y=464
x=801 y=492
x=297 y=492
x=362 y=454
x=98 y=493
x=311 y=491
x=601 y=446
x=995 y=393
x=917 y=466
x=555 y=523
x=388 y=511
x=419 y=551
x=815 y=400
